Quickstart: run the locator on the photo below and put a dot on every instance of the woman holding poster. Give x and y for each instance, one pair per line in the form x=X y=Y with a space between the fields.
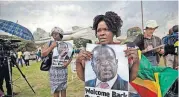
x=62 y=56
x=106 y=26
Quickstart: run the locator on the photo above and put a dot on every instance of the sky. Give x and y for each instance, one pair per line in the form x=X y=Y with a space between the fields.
x=65 y=14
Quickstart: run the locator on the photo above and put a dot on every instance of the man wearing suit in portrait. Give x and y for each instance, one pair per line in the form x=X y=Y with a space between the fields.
x=105 y=66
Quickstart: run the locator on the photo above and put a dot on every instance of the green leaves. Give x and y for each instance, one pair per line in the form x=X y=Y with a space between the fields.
x=81 y=42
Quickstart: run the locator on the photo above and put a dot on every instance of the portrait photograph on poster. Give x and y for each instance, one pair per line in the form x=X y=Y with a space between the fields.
x=64 y=50
x=107 y=73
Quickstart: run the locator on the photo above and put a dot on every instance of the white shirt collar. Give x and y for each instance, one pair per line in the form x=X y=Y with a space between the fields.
x=110 y=82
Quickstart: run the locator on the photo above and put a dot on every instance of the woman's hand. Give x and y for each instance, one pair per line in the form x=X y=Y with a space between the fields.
x=132 y=54
x=84 y=55
x=134 y=62
x=66 y=63
x=80 y=62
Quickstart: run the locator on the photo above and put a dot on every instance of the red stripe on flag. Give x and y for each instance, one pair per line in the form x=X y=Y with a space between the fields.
x=143 y=92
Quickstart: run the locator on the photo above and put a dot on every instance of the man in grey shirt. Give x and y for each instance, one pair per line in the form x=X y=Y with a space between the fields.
x=148 y=41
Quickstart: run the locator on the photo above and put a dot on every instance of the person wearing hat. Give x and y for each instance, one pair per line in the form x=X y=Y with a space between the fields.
x=58 y=74
x=132 y=33
x=148 y=41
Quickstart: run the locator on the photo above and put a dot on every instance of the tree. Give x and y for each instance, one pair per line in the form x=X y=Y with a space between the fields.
x=27 y=45
x=81 y=42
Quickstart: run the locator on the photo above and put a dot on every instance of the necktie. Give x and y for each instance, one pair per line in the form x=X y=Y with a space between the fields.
x=103 y=85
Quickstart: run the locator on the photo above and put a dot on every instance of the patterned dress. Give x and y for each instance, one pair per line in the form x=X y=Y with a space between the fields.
x=58 y=79
x=58 y=74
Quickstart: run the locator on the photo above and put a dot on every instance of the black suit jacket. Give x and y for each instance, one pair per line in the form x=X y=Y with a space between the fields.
x=119 y=84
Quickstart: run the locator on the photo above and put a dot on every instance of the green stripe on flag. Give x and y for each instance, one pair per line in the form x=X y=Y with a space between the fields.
x=166 y=75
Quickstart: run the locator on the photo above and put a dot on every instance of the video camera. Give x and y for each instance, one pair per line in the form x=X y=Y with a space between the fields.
x=7 y=50
x=6 y=46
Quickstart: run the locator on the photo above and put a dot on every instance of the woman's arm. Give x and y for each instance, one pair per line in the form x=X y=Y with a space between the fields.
x=66 y=63
x=80 y=63
x=80 y=69
x=46 y=50
x=133 y=72
x=134 y=61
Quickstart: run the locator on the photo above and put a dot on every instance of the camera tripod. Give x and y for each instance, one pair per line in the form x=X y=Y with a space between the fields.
x=7 y=61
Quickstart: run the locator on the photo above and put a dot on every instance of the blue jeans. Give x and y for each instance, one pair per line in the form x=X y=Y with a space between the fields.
x=20 y=61
x=153 y=60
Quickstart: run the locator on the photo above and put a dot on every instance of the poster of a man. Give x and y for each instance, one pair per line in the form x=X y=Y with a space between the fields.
x=107 y=67
x=64 y=50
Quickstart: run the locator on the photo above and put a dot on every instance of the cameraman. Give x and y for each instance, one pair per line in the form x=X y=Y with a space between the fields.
x=4 y=74
x=168 y=58
x=173 y=49
x=171 y=45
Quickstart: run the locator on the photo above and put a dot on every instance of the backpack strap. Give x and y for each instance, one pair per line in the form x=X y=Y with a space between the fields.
x=50 y=43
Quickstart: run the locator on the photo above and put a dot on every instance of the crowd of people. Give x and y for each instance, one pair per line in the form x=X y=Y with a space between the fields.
x=106 y=27
x=23 y=57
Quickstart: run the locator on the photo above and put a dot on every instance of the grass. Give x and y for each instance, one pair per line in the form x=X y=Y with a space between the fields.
x=39 y=80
